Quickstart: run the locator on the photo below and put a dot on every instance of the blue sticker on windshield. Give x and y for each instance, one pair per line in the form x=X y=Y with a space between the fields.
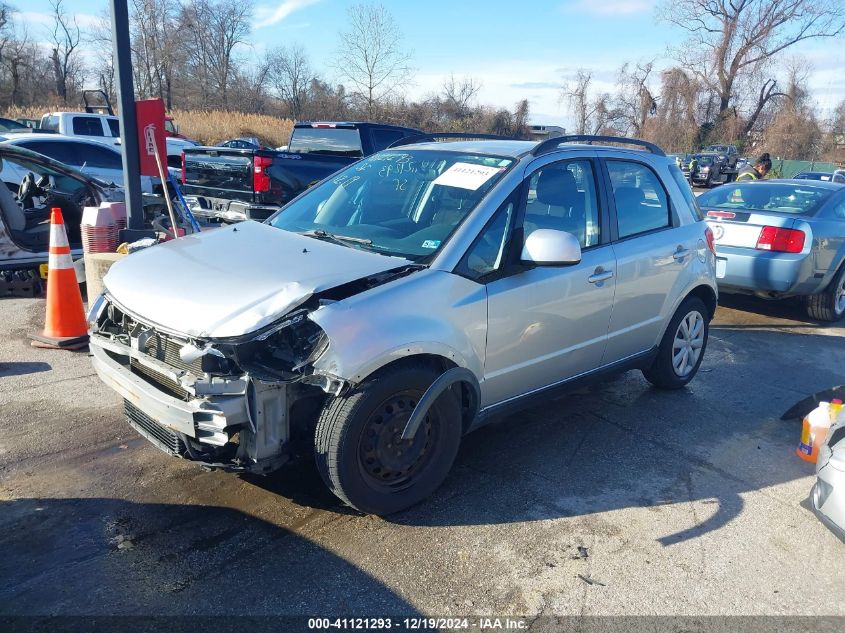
x=431 y=244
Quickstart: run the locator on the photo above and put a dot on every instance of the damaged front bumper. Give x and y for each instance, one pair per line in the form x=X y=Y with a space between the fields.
x=234 y=423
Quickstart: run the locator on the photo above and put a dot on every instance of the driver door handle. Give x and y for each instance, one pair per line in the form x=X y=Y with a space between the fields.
x=600 y=275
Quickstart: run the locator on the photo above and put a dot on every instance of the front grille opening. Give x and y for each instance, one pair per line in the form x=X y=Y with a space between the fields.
x=160 y=381
x=161 y=436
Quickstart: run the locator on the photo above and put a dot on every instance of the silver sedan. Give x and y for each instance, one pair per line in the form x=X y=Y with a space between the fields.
x=781 y=238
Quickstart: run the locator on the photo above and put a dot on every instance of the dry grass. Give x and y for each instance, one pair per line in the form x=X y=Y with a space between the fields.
x=31 y=112
x=212 y=127
x=209 y=128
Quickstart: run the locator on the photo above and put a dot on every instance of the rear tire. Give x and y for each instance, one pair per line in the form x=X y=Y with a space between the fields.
x=359 y=455
x=829 y=305
x=682 y=348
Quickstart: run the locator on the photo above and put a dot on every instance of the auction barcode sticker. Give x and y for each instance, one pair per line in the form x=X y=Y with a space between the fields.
x=466 y=176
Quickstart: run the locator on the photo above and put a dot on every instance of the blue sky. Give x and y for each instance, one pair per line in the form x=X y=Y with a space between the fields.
x=516 y=50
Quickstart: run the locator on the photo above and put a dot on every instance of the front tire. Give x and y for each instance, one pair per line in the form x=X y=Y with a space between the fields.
x=682 y=348
x=360 y=455
x=829 y=305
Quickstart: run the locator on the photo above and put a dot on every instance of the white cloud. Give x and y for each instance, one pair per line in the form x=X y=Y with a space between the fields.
x=268 y=16
x=84 y=20
x=609 y=7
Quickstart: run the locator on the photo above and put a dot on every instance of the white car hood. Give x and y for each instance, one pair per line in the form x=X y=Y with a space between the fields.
x=234 y=280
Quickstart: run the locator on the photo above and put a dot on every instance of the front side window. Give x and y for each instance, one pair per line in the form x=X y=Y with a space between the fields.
x=562 y=196
x=114 y=127
x=56 y=150
x=404 y=203
x=87 y=126
x=641 y=201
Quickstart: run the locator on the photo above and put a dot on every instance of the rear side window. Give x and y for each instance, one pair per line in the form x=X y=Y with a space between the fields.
x=87 y=126
x=337 y=141
x=383 y=138
x=101 y=157
x=641 y=201
x=686 y=191
x=114 y=127
x=50 y=123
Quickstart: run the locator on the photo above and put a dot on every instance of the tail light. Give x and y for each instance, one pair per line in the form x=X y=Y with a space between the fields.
x=260 y=177
x=774 y=238
x=183 y=168
x=711 y=239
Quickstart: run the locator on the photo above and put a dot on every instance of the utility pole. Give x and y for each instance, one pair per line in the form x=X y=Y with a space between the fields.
x=128 y=128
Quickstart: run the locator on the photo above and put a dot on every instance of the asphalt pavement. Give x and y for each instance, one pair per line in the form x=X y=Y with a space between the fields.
x=619 y=499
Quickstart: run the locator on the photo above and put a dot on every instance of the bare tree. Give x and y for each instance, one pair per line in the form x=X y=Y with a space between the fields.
x=634 y=102
x=459 y=94
x=795 y=131
x=211 y=32
x=290 y=74
x=729 y=38
x=592 y=114
x=65 y=38
x=370 y=55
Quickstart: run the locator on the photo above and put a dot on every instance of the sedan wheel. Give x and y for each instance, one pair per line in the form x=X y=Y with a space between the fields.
x=829 y=305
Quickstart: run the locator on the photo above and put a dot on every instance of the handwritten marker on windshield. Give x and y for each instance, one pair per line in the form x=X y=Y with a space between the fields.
x=65 y=326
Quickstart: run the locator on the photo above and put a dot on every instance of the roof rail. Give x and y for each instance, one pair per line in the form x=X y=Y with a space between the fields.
x=552 y=143
x=422 y=138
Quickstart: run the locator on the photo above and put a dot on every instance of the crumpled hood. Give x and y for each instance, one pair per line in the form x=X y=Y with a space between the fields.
x=234 y=280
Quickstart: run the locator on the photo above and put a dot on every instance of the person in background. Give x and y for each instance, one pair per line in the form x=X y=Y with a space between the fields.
x=678 y=161
x=762 y=167
x=693 y=169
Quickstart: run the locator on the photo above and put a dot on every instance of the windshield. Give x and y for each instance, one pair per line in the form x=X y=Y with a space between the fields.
x=705 y=160
x=778 y=197
x=404 y=203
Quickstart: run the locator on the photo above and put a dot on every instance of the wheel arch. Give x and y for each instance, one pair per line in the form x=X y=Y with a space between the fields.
x=708 y=296
x=470 y=390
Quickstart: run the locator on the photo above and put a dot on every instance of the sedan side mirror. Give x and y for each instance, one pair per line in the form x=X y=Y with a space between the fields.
x=549 y=247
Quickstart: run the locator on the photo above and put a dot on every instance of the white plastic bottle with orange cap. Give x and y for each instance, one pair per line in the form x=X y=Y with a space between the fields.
x=815 y=428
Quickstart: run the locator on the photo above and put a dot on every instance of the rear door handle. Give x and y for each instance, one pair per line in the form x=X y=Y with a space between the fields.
x=600 y=275
x=680 y=254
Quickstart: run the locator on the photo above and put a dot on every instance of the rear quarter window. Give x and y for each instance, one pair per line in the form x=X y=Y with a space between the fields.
x=686 y=192
x=50 y=123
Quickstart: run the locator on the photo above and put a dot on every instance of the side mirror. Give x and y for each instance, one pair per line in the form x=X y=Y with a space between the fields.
x=548 y=247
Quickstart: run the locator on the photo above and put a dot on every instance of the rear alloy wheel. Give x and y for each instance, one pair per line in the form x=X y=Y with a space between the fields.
x=359 y=448
x=682 y=348
x=829 y=305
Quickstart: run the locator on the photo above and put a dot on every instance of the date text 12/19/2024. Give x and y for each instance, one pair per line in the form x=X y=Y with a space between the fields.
x=418 y=623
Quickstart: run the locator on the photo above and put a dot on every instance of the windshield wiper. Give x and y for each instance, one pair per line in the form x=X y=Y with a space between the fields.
x=338 y=239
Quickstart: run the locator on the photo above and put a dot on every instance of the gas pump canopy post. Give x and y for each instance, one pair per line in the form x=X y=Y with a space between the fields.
x=128 y=135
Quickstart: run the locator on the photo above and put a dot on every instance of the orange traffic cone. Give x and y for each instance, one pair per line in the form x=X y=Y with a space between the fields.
x=65 y=326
